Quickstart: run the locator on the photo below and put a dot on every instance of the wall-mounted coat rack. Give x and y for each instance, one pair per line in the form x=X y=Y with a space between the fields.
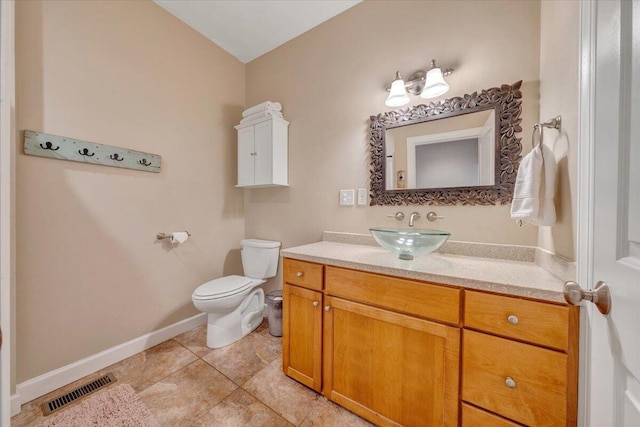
x=58 y=147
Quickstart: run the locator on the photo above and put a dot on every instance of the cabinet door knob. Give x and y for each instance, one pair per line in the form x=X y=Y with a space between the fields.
x=327 y=308
x=315 y=303
x=299 y=274
x=513 y=319
x=510 y=382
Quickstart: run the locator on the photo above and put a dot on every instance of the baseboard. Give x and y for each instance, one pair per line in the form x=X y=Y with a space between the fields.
x=15 y=404
x=45 y=383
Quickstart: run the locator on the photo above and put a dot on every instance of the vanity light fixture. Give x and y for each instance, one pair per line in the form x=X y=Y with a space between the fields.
x=428 y=84
x=398 y=93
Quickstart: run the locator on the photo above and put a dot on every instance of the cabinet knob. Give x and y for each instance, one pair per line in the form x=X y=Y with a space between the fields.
x=510 y=382
x=299 y=274
x=315 y=303
x=327 y=308
x=513 y=319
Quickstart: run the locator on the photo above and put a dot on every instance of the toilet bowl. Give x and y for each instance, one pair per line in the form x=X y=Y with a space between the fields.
x=234 y=304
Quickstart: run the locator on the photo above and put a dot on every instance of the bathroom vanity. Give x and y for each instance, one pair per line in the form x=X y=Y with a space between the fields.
x=438 y=341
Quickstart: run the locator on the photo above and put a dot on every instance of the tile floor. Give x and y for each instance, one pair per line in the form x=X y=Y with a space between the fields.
x=185 y=383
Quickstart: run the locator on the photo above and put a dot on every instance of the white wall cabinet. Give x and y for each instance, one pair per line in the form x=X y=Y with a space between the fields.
x=262 y=153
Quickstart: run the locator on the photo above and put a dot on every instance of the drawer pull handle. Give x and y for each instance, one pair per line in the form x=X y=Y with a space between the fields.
x=315 y=303
x=513 y=319
x=299 y=274
x=327 y=308
x=510 y=382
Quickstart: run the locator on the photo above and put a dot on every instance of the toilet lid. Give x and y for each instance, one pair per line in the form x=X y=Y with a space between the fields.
x=225 y=286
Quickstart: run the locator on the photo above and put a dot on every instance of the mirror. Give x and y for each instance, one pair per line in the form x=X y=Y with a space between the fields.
x=459 y=150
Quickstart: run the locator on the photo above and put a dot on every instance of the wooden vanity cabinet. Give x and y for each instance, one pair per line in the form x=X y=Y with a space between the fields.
x=372 y=343
x=302 y=322
x=400 y=352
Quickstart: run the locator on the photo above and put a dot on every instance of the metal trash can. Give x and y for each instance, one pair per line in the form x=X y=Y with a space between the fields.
x=274 y=312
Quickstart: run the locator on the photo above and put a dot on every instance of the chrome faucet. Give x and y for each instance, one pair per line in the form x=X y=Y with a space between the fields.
x=414 y=215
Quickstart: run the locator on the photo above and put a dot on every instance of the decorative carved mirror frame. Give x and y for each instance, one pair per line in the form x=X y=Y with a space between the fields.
x=506 y=100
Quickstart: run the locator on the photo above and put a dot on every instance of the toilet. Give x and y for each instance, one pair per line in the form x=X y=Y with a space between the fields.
x=234 y=304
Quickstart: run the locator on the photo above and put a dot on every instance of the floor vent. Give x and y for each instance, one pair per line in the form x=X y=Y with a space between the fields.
x=58 y=403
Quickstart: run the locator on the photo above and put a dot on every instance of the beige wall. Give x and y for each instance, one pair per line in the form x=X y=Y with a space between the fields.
x=90 y=273
x=559 y=90
x=332 y=78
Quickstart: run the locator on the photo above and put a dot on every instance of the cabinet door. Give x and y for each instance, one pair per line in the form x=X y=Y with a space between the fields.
x=263 y=157
x=245 y=156
x=390 y=368
x=302 y=335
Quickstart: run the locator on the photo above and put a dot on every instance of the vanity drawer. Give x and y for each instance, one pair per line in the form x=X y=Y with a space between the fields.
x=474 y=417
x=519 y=381
x=531 y=321
x=421 y=299
x=303 y=273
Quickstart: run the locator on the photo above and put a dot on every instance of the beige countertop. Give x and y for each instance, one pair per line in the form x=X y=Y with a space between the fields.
x=516 y=278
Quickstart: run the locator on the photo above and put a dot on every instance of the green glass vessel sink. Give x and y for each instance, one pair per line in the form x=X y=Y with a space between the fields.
x=409 y=242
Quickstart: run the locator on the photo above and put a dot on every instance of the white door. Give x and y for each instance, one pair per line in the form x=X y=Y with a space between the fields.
x=263 y=154
x=246 y=138
x=609 y=212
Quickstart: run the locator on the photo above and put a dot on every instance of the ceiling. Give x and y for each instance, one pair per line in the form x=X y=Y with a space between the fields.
x=250 y=28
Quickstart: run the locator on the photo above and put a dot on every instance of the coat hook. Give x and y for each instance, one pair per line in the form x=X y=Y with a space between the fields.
x=48 y=146
x=85 y=152
x=144 y=162
x=116 y=157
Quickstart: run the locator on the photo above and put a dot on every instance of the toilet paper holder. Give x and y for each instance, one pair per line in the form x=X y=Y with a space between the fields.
x=162 y=235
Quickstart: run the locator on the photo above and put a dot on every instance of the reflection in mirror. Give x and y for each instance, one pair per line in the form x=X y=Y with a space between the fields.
x=462 y=150
x=458 y=151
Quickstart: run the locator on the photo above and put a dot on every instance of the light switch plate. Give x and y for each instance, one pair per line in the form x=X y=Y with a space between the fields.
x=347 y=197
x=362 y=196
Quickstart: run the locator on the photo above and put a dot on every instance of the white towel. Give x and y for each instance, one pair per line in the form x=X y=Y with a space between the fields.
x=531 y=203
x=261 y=115
x=547 y=208
x=265 y=106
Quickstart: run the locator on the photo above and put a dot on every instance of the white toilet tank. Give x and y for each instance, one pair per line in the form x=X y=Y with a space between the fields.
x=259 y=258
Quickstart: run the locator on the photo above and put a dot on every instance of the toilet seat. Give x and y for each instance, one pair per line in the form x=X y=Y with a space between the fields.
x=223 y=287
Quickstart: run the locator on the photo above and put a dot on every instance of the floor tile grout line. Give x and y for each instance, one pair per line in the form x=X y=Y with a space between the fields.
x=221 y=373
x=240 y=386
x=187 y=347
x=166 y=376
x=264 y=403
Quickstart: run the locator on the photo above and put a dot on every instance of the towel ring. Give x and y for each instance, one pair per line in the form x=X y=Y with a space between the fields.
x=536 y=127
x=555 y=123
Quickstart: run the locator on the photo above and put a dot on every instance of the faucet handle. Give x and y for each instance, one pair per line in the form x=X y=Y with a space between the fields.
x=432 y=216
x=398 y=215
